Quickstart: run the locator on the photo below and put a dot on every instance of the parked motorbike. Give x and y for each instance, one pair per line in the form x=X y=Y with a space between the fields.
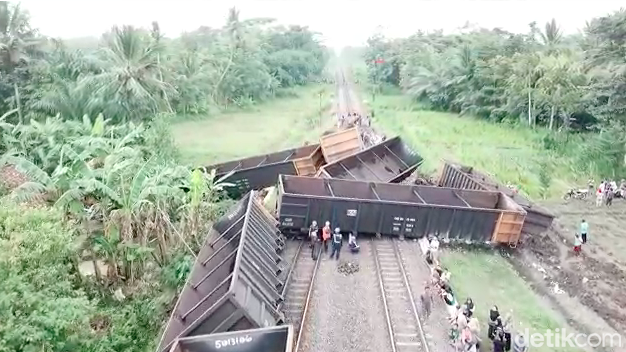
x=576 y=194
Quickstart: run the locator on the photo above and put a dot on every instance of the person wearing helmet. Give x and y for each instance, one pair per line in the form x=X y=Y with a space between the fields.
x=336 y=243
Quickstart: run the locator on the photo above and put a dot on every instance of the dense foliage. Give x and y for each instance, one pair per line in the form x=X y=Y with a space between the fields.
x=144 y=72
x=99 y=224
x=543 y=77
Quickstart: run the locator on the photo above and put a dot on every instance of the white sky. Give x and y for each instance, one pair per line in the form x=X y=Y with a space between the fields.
x=342 y=22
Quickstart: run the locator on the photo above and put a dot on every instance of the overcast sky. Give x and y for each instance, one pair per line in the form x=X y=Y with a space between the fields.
x=342 y=22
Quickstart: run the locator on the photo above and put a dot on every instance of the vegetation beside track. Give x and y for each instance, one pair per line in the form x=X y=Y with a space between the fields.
x=265 y=128
x=512 y=153
x=96 y=232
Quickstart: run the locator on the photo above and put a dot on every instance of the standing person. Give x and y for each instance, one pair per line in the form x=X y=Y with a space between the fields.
x=337 y=240
x=427 y=300
x=507 y=327
x=469 y=304
x=313 y=238
x=434 y=249
x=326 y=235
x=577 y=244
x=609 y=194
x=599 y=195
x=494 y=314
x=448 y=298
x=584 y=228
x=498 y=342
x=312 y=229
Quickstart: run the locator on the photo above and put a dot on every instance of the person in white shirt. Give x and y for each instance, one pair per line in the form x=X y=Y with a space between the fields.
x=434 y=249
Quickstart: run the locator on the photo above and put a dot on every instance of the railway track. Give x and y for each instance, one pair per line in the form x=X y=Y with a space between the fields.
x=403 y=322
x=297 y=292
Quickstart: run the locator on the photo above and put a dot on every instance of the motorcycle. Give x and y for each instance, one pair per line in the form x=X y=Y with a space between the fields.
x=580 y=194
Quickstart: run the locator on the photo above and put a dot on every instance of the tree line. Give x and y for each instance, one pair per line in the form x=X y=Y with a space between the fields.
x=542 y=77
x=144 y=72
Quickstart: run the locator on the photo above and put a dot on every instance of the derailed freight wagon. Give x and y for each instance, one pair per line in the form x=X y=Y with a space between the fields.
x=236 y=282
x=389 y=161
x=338 y=145
x=272 y=339
x=398 y=210
x=538 y=219
x=261 y=171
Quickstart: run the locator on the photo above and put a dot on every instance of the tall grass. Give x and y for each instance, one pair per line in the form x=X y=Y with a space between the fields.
x=511 y=153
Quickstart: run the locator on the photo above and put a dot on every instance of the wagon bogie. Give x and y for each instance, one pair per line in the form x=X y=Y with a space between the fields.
x=389 y=161
x=236 y=281
x=399 y=210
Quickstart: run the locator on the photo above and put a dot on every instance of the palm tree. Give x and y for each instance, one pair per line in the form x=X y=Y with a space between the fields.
x=130 y=75
x=17 y=41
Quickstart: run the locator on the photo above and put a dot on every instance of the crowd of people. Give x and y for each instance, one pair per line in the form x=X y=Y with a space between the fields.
x=353 y=119
x=607 y=190
x=464 y=325
x=332 y=238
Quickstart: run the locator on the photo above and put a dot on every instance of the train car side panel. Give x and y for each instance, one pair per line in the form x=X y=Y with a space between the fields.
x=257 y=178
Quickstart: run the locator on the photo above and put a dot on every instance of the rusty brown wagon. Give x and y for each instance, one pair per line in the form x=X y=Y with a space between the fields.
x=538 y=219
x=399 y=210
x=338 y=145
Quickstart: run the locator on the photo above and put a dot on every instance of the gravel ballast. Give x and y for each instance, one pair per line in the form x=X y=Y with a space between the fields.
x=346 y=312
x=435 y=327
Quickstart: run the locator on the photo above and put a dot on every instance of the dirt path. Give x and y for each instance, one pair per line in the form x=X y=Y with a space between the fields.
x=593 y=283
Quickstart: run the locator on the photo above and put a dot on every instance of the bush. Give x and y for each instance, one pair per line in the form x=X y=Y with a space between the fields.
x=40 y=307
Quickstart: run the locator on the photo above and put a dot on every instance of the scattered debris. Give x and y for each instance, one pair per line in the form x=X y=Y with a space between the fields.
x=348 y=268
x=556 y=289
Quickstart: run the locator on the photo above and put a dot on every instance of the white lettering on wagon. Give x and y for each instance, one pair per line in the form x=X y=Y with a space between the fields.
x=233 y=341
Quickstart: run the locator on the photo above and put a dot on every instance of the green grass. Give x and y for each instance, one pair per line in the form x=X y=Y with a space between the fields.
x=511 y=153
x=490 y=280
x=265 y=128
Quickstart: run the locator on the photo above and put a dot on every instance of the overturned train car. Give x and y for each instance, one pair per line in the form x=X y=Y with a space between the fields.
x=389 y=161
x=261 y=171
x=398 y=210
x=271 y=339
x=237 y=280
x=538 y=219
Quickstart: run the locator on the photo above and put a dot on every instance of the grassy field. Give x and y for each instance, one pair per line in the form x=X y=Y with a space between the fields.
x=266 y=128
x=490 y=280
x=511 y=153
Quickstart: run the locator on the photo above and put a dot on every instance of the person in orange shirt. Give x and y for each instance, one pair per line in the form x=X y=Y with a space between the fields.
x=326 y=235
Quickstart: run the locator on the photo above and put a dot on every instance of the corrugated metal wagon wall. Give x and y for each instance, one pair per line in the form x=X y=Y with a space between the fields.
x=538 y=219
x=398 y=210
x=389 y=161
x=235 y=283
x=261 y=171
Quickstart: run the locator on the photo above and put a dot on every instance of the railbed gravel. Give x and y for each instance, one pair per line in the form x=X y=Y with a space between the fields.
x=436 y=326
x=346 y=311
